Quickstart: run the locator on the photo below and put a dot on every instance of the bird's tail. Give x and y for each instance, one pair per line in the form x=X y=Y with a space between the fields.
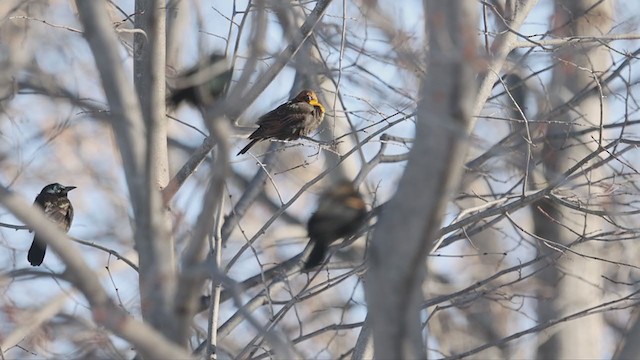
x=246 y=148
x=173 y=100
x=177 y=96
x=36 y=252
x=316 y=256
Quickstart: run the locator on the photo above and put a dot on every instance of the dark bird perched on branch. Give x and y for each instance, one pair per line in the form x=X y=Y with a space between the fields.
x=57 y=207
x=203 y=83
x=296 y=118
x=341 y=212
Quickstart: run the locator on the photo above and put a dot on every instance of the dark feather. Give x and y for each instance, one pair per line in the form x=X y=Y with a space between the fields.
x=316 y=256
x=341 y=212
x=57 y=207
x=203 y=88
x=296 y=118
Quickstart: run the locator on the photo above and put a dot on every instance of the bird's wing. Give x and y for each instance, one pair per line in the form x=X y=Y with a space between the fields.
x=333 y=212
x=59 y=211
x=328 y=214
x=287 y=116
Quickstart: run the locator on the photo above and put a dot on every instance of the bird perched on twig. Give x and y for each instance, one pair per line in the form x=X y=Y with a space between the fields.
x=296 y=118
x=341 y=212
x=56 y=206
x=203 y=83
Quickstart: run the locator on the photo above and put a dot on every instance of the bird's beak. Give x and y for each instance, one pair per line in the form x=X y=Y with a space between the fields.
x=315 y=103
x=69 y=188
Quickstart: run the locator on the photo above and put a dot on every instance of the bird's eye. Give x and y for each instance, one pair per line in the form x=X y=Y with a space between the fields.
x=308 y=97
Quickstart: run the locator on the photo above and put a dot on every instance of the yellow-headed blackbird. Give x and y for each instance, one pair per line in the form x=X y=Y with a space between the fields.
x=296 y=118
x=341 y=212
x=53 y=200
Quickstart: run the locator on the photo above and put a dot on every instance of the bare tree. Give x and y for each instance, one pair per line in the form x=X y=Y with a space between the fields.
x=494 y=143
x=574 y=281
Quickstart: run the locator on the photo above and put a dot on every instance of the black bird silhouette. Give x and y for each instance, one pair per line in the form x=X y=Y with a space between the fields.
x=57 y=207
x=341 y=212
x=203 y=83
x=296 y=118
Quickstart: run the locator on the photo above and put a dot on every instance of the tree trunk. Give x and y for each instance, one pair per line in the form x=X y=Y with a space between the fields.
x=406 y=229
x=154 y=244
x=572 y=283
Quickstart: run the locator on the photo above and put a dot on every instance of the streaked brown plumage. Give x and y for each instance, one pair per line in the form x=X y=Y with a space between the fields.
x=341 y=212
x=296 y=118
x=55 y=204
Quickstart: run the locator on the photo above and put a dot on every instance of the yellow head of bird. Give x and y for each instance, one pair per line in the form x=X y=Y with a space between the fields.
x=310 y=97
